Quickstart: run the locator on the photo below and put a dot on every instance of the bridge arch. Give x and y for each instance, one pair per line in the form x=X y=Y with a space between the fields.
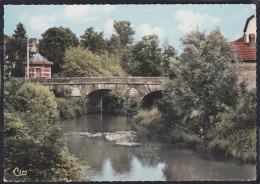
x=149 y=100
x=94 y=100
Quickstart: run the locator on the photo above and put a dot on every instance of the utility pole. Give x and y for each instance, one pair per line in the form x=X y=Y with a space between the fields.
x=28 y=58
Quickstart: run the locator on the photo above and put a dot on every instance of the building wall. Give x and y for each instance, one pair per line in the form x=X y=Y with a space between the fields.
x=251 y=28
x=45 y=71
x=247 y=72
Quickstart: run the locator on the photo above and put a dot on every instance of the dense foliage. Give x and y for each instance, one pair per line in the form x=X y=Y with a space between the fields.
x=205 y=80
x=235 y=134
x=16 y=52
x=68 y=108
x=146 y=58
x=112 y=100
x=54 y=43
x=33 y=137
x=93 y=41
x=80 y=62
x=114 y=56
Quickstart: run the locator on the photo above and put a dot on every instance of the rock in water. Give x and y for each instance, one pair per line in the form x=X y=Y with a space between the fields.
x=124 y=138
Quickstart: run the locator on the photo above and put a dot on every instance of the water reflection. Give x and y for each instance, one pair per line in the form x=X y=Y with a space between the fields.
x=150 y=161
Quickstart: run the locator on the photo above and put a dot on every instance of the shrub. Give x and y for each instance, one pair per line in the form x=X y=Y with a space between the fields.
x=132 y=107
x=152 y=120
x=235 y=134
x=33 y=137
x=113 y=99
x=61 y=91
x=68 y=108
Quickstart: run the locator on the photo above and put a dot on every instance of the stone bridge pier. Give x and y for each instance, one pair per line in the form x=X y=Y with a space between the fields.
x=94 y=88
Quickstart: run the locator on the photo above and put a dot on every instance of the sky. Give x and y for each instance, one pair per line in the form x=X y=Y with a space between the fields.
x=170 y=22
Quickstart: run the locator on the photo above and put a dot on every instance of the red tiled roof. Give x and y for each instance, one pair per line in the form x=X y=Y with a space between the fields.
x=245 y=52
x=240 y=39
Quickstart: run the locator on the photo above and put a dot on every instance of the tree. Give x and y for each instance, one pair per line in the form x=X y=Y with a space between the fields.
x=93 y=41
x=16 y=51
x=80 y=62
x=113 y=45
x=169 y=53
x=54 y=43
x=204 y=80
x=146 y=57
x=33 y=136
x=124 y=32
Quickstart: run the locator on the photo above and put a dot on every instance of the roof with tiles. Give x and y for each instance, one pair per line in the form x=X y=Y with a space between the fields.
x=245 y=52
x=39 y=59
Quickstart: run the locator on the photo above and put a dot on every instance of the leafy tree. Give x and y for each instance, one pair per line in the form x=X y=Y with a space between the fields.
x=54 y=43
x=16 y=50
x=204 y=80
x=12 y=85
x=113 y=45
x=169 y=53
x=79 y=62
x=33 y=137
x=124 y=32
x=93 y=41
x=146 y=57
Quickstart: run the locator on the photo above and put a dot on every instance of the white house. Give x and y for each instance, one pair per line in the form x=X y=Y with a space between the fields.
x=250 y=28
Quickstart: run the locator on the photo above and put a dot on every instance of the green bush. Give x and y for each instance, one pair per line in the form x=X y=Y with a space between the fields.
x=235 y=134
x=152 y=120
x=61 y=91
x=113 y=99
x=33 y=136
x=131 y=107
x=80 y=62
x=12 y=85
x=68 y=108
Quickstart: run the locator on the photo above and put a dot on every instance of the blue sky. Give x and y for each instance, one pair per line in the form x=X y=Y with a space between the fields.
x=170 y=22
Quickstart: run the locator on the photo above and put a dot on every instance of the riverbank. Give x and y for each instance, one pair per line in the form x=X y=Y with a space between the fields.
x=239 y=142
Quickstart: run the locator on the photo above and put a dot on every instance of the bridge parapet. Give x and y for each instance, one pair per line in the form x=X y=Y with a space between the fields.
x=100 y=80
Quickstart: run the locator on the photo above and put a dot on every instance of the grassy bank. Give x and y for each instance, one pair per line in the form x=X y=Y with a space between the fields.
x=234 y=135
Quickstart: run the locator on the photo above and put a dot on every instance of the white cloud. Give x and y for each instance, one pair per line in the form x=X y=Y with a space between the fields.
x=86 y=12
x=41 y=22
x=109 y=26
x=190 y=20
x=145 y=29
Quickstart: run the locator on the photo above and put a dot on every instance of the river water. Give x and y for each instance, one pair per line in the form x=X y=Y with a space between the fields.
x=92 y=138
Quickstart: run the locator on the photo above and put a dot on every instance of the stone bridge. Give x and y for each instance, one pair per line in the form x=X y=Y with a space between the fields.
x=94 y=88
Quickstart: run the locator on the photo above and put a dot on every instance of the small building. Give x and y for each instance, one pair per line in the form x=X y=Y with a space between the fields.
x=39 y=67
x=246 y=47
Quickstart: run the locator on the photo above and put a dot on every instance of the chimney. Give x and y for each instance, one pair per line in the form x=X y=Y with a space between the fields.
x=252 y=40
x=33 y=45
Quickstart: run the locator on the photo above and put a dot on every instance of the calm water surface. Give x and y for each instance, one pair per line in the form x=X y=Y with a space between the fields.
x=151 y=160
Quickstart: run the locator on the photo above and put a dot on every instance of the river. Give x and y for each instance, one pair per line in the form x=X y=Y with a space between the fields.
x=107 y=144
